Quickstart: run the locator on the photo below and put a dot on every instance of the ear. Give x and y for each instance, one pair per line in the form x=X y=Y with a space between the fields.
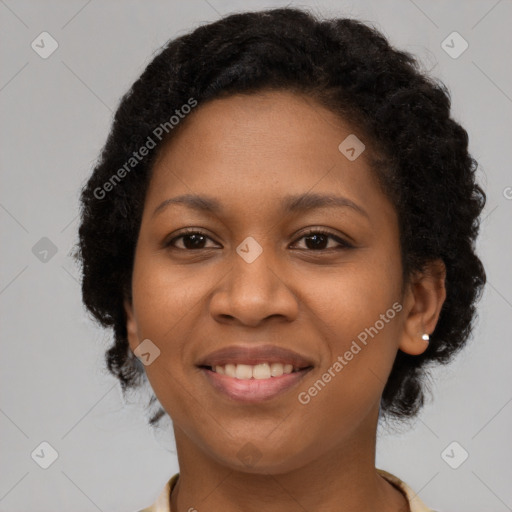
x=131 y=325
x=424 y=298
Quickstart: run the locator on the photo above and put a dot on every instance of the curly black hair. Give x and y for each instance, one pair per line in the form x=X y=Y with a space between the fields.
x=423 y=163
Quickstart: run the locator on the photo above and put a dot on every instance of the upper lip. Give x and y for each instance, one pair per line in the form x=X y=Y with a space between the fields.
x=239 y=354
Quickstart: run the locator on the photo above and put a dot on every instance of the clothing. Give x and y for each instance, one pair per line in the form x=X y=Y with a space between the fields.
x=415 y=504
x=162 y=504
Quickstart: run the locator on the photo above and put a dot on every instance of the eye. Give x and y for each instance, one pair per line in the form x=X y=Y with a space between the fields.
x=192 y=240
x=318 y=240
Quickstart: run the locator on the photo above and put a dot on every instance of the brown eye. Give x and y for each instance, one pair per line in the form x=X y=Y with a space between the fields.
x=318 y=240
x=191 y=240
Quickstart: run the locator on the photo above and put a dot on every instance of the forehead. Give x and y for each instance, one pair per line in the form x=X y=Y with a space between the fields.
x=261 y=147
x=270 y=124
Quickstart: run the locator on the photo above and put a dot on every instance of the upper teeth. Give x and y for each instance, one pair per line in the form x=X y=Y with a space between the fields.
x=257 y=371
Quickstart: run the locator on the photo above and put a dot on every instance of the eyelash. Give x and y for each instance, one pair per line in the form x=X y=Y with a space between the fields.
x=313 y=231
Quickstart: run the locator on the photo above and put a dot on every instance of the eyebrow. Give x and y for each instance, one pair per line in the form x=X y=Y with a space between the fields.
x=290 y=203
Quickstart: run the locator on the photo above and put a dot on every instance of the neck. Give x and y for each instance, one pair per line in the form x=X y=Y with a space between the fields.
x=342 y=479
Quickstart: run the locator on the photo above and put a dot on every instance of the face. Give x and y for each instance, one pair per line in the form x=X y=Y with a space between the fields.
x=266 y=275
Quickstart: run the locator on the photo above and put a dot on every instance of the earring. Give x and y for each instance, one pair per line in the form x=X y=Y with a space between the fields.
x=425 y=337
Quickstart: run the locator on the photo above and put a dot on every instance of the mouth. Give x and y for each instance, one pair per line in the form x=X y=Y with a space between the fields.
x=254 y=374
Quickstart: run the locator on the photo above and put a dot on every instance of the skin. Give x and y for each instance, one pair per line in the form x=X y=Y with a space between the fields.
x=249 y=152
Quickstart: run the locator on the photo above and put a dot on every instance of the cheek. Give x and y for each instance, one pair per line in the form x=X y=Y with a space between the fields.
x=352 y=298
x=357 y=313
x=165 y=303
x=164 y=296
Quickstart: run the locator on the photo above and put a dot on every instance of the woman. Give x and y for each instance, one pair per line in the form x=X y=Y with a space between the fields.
x=280 y=231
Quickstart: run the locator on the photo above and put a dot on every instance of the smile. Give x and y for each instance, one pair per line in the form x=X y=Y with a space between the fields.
x=257 y=371
x=250 y=373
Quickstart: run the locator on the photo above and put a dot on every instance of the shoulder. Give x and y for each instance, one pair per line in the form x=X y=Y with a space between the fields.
x=162 y=503
x=415 y=504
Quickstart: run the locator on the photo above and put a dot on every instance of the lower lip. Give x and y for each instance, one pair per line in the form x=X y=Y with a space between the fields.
x=253 y=390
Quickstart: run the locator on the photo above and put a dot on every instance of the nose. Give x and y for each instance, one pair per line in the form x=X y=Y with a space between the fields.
x=253 y=292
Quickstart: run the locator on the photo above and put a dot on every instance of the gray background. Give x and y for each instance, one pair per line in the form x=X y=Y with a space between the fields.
x=55 y=116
